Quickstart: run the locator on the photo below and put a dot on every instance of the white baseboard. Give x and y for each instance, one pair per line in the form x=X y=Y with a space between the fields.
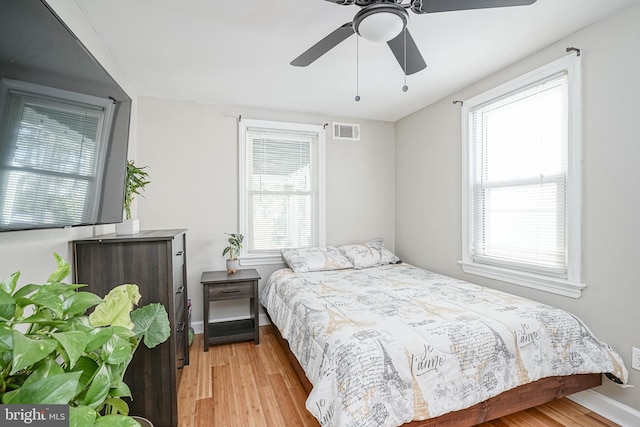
x=611 y=409
x=198 y=327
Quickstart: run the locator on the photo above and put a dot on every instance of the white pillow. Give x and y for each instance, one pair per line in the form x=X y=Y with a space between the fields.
x=369 y=254
x=363 y=255
x=304 y=260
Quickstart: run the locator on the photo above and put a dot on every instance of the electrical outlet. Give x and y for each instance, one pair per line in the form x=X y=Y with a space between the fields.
x=635 y=358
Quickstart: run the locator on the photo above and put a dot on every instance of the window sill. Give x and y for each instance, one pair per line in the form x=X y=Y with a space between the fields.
x=530 y=280
x=264 y=259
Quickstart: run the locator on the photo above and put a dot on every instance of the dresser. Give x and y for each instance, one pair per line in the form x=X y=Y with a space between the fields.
x=155 y=260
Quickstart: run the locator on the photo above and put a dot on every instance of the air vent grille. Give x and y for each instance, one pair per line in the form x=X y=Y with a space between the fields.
x=350 y=132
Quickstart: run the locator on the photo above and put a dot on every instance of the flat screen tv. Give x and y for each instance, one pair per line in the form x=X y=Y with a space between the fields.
x=64 y=125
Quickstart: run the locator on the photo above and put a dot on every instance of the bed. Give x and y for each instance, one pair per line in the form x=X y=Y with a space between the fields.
x=377 y=342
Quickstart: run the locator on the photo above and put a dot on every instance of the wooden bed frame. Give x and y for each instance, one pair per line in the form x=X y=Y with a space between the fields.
x=515 y=400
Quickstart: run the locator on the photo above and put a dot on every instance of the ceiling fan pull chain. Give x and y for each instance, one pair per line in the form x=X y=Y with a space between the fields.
x=405 y=87
x=357 y=70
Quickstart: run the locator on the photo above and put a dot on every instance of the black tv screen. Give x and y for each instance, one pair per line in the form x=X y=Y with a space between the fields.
x=64 y=125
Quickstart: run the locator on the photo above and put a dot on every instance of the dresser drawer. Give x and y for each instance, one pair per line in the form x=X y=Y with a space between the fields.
x=222 y=291
x=177 y=249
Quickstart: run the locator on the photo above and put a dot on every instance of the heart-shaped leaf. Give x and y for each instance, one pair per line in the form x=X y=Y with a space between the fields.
x=97 y=337
x=53 y=390
x=116 y=350
x=116 y=421
x=61 y=272
x=73 y=343
x=99 y=388
x=116 y=307
x=81 y=416
x=80 y=302
x=152 y=322
x=7 y=305
x=48 y=369
x=27 y=351
x=6 y=338
x=49 y=300
x=87 y=368
x=24 y=291
x=119 y=405
x=9 y=283
x=120 y=389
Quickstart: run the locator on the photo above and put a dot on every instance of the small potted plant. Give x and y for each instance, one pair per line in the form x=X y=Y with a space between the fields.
x=235 y=244
x=53 y=353
x=135 y=181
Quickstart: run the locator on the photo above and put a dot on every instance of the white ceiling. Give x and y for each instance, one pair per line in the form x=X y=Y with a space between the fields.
x=237 y=52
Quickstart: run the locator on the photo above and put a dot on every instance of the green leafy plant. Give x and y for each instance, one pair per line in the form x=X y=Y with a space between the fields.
x=135 y=182
x=235 y=245
x=52 y=352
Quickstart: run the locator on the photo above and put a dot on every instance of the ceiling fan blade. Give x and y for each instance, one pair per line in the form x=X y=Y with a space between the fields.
x=431 y=6
x=324 y=45
x=414 y=61
x=343 y=2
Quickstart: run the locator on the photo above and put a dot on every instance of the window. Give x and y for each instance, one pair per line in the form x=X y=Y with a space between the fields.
x=521 y=189
x=281 y=188
x=51 y=154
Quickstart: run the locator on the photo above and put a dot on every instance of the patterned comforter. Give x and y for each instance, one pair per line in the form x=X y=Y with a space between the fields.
x=386 y=345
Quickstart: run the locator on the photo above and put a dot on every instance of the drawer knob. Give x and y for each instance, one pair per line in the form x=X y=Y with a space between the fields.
x=180 y=253
x=180 y=290
x=180 y=327
x=231 y=291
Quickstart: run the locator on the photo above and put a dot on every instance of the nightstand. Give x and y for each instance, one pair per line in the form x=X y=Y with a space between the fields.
x=222 y=286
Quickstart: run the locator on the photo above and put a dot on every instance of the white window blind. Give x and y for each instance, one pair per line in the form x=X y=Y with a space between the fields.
x=50 y=167
x=281 y=186
x=519 y=178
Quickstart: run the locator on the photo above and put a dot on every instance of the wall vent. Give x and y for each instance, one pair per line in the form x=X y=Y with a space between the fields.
x=350 y=132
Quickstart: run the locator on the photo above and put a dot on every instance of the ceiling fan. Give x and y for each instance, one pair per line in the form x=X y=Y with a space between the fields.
x=386 y=21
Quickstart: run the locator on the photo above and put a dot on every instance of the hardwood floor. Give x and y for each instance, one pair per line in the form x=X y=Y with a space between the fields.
x=244 y=384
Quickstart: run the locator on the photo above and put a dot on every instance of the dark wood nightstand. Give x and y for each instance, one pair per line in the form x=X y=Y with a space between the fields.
x=221 y=286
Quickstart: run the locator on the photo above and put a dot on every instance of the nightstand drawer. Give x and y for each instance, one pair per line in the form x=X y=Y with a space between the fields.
x=222 y=291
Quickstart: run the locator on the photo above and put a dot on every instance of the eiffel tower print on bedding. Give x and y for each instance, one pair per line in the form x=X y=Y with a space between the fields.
x=391 y=344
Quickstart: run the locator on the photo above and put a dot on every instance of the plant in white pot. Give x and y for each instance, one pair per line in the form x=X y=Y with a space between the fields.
x=235 y=245
x=135 y=181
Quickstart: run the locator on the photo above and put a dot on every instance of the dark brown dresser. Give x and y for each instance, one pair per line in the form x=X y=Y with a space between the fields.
x=155 y=260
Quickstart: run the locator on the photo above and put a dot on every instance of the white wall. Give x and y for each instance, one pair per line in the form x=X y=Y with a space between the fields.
x=428 y=186
x=191 y=150
x=31 y=252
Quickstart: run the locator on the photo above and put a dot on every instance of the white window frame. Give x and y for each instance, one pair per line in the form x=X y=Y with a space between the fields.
x=275 y=257
x=570 y=283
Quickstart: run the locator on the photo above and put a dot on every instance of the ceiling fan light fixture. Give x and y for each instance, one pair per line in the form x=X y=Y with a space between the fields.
x=380 y=22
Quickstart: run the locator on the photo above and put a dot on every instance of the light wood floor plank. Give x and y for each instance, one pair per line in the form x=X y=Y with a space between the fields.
x=251 y=397
x=286 y=403
x=204 y=412
x=243 y=384
x=221 y=392
x=203 y=368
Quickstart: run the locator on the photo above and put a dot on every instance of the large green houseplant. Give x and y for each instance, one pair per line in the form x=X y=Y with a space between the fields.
x=52 y=352
x=136 y=179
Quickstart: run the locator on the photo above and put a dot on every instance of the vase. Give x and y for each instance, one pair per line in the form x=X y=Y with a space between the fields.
x=128 y=226
x=232 y=265
x=142 y=421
